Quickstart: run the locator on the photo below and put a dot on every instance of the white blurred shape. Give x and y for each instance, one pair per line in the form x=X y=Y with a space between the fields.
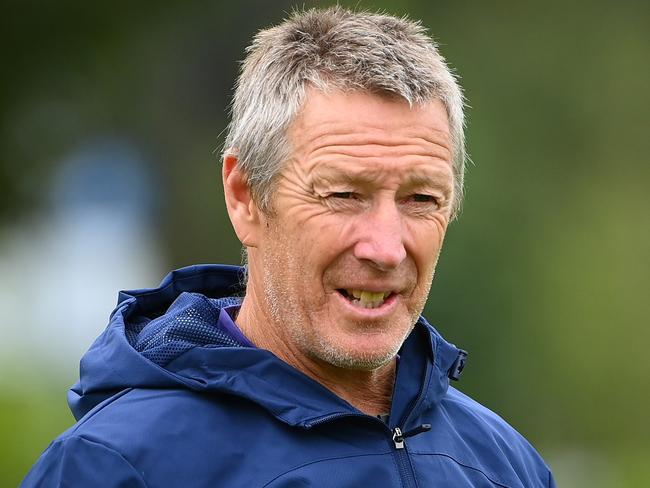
x=61 y=272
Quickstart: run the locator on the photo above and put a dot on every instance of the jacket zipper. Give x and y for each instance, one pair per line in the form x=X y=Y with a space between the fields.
x=407 y=473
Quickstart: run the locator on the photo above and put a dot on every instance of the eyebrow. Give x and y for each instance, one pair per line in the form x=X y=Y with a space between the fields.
x=337 y=175
x=436 y=179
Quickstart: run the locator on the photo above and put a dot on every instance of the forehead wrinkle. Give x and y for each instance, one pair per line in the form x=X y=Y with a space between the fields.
x=371 y=152
x=332 y=150
x=346 y=127
x=321 y=134
x=383 y=138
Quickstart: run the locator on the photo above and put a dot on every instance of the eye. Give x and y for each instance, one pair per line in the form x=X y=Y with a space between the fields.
x=423 y=204
x=343 y=195
x=345 y=200
x=421 y=198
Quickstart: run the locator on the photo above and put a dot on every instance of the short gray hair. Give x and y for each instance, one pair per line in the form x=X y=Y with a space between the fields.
x=333 y=48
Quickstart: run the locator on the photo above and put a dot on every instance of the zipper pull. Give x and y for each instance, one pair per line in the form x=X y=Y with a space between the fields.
x=417 y=430
x=399 y=436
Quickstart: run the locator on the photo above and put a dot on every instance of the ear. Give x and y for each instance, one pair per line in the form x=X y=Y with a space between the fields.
x=242 y=210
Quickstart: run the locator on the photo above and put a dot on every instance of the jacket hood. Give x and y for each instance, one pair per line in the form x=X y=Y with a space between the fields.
x=165 y=338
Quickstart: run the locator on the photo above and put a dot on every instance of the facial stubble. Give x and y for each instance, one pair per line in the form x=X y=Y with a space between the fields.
x=291 y=320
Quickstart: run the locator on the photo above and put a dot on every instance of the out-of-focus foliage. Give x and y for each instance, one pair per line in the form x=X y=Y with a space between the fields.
x=543 y=278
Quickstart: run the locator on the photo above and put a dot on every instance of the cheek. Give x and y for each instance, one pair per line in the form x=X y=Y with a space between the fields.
x=321 y=232
x=304 y=249
x=424 y=247
x=424 y=240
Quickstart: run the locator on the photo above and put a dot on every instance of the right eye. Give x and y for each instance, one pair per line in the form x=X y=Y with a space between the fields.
x=343 y=195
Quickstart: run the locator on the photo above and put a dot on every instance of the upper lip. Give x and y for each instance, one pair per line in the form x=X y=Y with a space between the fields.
x=370 y=288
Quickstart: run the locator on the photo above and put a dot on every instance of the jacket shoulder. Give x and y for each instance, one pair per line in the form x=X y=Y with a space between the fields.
x=481 y=417
x=480 y=439
x=141 y=430
x=75 y=461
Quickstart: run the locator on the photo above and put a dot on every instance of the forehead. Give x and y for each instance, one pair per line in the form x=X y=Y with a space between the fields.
x=349 y=110
x=359 y=133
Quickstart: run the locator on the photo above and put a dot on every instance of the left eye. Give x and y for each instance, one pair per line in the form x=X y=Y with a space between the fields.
x=420 y=198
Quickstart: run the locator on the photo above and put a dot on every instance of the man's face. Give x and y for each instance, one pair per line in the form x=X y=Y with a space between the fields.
x=347 y=254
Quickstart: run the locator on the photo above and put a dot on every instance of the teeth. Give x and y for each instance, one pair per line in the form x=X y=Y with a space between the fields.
x=368 y=299
x=368 y=296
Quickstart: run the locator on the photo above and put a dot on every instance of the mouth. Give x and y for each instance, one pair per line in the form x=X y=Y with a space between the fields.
x=365 y=298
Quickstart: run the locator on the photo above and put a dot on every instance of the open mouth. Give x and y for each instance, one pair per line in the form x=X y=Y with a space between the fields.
x=364 y=298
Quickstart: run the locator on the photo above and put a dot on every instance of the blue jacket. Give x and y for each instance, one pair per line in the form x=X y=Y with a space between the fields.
x=166 y=399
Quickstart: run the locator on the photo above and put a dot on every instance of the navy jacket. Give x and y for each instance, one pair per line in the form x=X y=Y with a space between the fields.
x=166 y=399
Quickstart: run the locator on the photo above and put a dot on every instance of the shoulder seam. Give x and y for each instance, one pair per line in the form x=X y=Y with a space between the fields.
x=94 y=411
x=331 y=458
x=464 y=466
x=95 y=443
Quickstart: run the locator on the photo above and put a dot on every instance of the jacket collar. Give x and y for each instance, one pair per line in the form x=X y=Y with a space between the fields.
x=112 y=364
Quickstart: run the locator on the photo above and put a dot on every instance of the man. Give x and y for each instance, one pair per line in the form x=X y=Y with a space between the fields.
x=342 y=170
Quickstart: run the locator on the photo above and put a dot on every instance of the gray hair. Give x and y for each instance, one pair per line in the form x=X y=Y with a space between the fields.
x=333 y=48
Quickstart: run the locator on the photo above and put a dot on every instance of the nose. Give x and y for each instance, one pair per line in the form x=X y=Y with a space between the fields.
x=380 y=240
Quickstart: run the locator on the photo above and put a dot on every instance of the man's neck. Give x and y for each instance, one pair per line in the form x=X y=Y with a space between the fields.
x=369 y=391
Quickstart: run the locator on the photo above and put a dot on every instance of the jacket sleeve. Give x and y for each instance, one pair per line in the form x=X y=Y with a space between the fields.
x=79 y=462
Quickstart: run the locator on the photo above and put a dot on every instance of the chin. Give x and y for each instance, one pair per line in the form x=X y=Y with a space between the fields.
x=360 y=359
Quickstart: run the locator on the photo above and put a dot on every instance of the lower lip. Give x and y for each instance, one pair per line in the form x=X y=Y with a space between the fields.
x=384 y=309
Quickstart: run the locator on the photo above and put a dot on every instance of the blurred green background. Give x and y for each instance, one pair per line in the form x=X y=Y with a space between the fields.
x=109 y=116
